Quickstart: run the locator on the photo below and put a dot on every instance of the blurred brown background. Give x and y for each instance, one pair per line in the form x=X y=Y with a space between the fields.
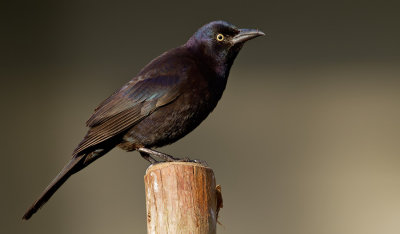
x=304 y=140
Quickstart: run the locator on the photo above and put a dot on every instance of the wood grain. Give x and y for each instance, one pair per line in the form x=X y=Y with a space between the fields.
x=181 y=197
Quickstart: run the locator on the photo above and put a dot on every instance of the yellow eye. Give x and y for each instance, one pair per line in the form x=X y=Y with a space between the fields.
x=220 y=37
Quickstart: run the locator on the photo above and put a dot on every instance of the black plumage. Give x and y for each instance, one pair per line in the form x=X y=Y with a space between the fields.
x=169 y=97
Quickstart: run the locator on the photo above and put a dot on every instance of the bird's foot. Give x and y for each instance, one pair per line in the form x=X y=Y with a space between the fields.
x=145 y=152
x=202 y=162
x=186 y=159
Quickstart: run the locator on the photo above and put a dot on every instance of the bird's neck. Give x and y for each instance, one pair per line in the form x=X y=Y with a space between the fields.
x=220 y=66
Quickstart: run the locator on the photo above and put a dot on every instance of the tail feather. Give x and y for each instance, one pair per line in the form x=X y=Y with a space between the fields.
x=73 y=166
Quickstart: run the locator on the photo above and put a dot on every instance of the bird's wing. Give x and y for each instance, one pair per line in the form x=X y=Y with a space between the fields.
x=134 y=101
x=138 y=91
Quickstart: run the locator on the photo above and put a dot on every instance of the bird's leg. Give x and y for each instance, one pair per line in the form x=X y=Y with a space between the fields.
x=148 y=157
x=166 y=157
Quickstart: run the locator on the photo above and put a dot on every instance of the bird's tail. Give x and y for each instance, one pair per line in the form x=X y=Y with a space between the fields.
x=77 y=163
x=73 y=166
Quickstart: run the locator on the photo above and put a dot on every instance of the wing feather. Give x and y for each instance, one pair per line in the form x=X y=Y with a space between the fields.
x=134 y=92
x=114 y=125
x=126 y=107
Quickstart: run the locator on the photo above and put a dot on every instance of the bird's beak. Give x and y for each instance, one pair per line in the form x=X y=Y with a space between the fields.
x=246 y=34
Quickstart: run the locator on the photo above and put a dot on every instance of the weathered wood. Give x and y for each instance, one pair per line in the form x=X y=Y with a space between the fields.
x=181 y=197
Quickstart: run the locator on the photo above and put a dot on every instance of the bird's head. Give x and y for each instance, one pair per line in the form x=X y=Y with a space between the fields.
x=220 y=42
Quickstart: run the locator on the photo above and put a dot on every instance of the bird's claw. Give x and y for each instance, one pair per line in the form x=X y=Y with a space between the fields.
x=202 y=162
x=186 y=159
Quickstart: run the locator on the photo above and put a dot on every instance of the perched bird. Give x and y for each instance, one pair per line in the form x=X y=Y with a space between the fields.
x=169 y=97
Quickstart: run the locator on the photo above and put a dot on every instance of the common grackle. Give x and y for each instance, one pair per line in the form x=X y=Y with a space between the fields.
x=169 y=97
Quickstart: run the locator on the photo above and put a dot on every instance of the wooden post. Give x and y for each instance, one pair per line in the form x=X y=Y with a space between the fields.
x=181 y=197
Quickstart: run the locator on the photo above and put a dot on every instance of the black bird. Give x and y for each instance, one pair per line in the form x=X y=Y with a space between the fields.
x=169 y=97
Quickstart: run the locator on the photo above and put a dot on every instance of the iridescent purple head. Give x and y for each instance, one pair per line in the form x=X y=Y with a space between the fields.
x=220 y=42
